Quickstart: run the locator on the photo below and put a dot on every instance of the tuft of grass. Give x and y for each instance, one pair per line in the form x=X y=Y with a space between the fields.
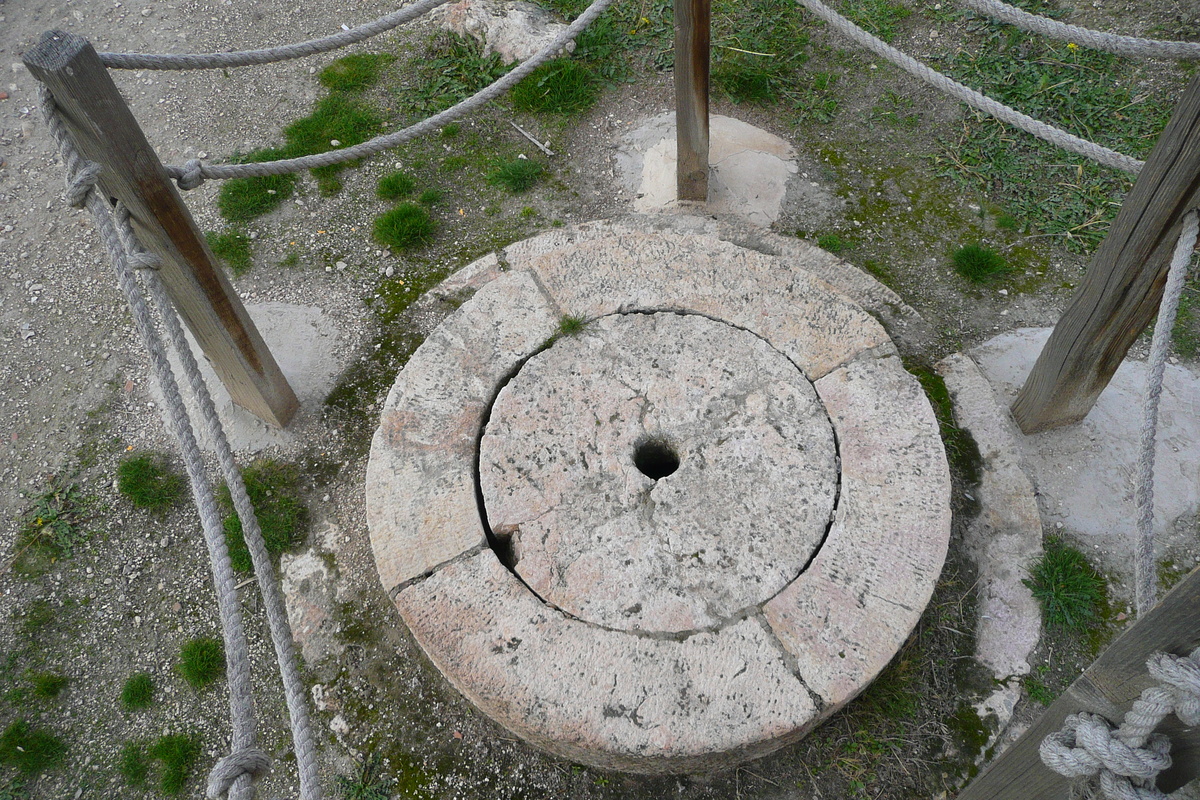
x=560 y=86
x=178 y=755
x=149 y=482
x=354 y=73
x=429 y=197
x=518 y=175
x=273 y=488
x=29 y=750
x=138 y=692
x=132 y=764
x=1069 y=590
x=243 y=199
x=232 y=247
x=48 y=685
x=202 y=661
x=450 y=131
x=570 y=326
x=51 y=529
x=395 y=186
x=978 y=264
x=368 y=783
x=405 y=227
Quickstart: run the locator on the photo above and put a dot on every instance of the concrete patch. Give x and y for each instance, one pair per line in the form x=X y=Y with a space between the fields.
x=750 y=169
x=309 y=594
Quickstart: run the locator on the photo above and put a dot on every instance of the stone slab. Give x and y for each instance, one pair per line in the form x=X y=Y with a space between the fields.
x=801 y=316
x=855 y=605
x=420 y=486
x=605 y=698
x=596 y=536
x=1006 y=538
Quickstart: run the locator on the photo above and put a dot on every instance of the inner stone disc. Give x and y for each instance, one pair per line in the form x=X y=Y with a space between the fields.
x=658 y=472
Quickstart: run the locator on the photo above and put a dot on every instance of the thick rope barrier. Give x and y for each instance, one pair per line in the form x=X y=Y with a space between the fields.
x=270 y=55
x=194 y=172
x=1057 y=137
x=1129 y=46
x=1128 y=760
x=1146 y=581
x=233 y=776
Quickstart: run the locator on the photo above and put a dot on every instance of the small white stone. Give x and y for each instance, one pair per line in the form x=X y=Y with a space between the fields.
x=335 y=143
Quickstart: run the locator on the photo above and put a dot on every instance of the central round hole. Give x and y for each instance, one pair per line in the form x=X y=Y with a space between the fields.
x=655 y=459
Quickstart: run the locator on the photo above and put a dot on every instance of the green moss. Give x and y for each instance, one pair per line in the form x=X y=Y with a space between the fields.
x=274 y=492
x=1071 y=592
x=147 y=481
x=178 y=754
x=961 y=449
x=132 y=764
x=406 y=227
x=202 y=661
x=559 y=86
x=138 y=692
x=518 y=175
x=971 y=734
x=833 y=243
x=232 y=247
x=354 y=73
x=395 y=186
x=29 y=750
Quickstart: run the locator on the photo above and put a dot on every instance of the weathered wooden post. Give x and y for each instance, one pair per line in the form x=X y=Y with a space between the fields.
x=692 y=23
x=1123 y=286
x=1108 y=687
x=106 y=132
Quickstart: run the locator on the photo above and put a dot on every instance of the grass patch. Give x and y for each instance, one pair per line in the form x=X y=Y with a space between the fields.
x=48 y=685
x=51 y=529
x=138 y=692
x=148 y=482
x=429 y=197
x=132 y=764
x=758 y=51
x=273 y=489
x=1070 y=592
x=879 y=17
x=202 y=661
x=337 y=121
x=395 y=186
x=354 y=73
x=178 y=755
x=451 y=69
x=243 y=199
x=405 y=227
x=560 y=86
x=978 y=264
x=232 y=247
x=1185 y=335
x=518 y=175
x=833 y=243
x=29 y=750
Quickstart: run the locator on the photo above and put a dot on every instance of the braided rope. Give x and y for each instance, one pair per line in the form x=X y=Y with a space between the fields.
x=1129 y=759
x=247 y=58
x=232 y=775
x=1131 y=46
x=81 y=178
x=1146 y=575
x=1060 y=138
x=191 y=174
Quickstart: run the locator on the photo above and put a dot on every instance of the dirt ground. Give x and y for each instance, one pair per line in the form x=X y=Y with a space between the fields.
x=76 y=396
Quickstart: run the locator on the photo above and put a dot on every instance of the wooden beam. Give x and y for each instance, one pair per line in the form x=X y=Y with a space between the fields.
x=1108 y=687
x=1121 y=291
x=692 y=24
x=106 y=132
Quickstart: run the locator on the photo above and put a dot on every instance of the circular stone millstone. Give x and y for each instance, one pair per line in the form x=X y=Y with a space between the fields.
x=679 y=461
x=658 y=472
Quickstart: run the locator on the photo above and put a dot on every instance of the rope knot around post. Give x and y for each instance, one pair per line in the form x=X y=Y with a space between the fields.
x=250 y=761
x=191 y=176
x=1181 y=677
x=80 y=182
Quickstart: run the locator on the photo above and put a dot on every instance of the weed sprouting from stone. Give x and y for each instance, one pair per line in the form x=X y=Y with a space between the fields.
x=570 y=326
x=202 y=661
x=1068 y=588
x=149 y=482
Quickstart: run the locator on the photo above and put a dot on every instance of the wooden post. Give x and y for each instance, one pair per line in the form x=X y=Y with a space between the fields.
x=692 y=23
x=1108 y=687
x=1123 y=286
x=106 y=132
